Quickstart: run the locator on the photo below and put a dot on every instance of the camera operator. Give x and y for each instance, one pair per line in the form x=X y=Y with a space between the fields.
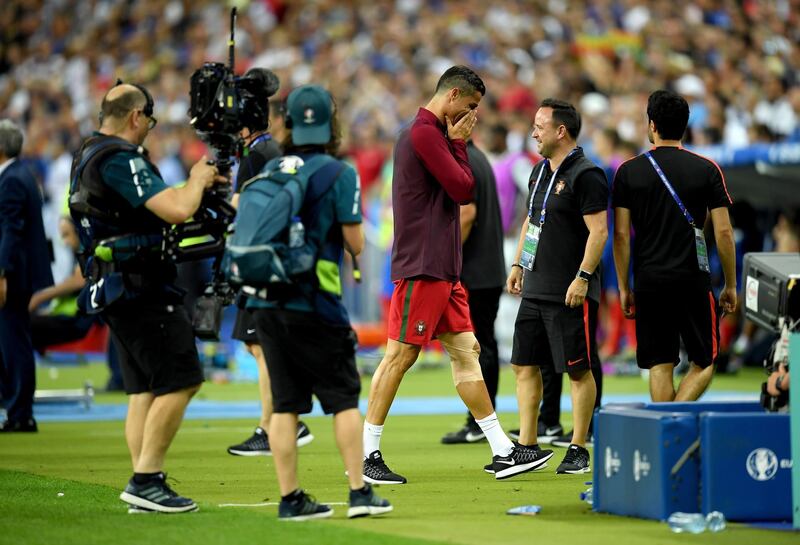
x=121 y=206
x=263 y=131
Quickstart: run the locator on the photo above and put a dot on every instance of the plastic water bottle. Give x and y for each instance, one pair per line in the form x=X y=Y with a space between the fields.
x=587 y=496
x=691 y=523
x=715 y=521
x=297 y=233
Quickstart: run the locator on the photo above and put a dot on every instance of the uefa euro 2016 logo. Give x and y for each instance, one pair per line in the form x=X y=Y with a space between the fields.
x=762 y=464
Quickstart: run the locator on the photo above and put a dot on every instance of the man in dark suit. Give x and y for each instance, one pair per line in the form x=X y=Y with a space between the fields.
x=24 y=268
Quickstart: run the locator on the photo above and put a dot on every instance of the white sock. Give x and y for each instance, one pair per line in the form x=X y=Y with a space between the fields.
x=372 y=438
x=491 y=428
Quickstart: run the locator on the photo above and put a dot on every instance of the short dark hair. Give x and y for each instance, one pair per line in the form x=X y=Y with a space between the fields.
x=669 y=112
x=463 y=78
x=122 y=105
x=565 y=114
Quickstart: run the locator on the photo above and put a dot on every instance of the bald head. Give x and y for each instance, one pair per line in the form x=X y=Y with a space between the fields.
x=120 y=101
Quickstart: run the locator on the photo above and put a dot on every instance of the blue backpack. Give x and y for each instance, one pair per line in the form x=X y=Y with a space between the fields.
x=269 y=246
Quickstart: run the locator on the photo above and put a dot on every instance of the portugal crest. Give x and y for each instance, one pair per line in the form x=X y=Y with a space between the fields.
x=560 y=187
x=420 y=327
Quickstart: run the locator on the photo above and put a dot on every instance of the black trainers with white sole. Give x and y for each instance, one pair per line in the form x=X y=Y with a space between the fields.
x=489 y=468
x=256 y=445
x=304 y=436
x=565 y=440
x=156 y=495
x=520 y=460
x=544 y=434
x=304 y=507
x=377 y=472
x=467 y=434
x=576 y=460
x=366 y=502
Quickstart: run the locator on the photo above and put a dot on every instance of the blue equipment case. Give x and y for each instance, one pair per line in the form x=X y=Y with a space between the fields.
x=745 y=466
x=657 y=458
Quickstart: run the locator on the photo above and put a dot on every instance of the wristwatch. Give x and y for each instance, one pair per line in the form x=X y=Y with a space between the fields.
x=583 y=275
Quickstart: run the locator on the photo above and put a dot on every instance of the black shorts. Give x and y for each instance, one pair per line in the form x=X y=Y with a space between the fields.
x=156 y=346
x=665 y=317
x=550 y=333
x=306 y=356
x=245 y=327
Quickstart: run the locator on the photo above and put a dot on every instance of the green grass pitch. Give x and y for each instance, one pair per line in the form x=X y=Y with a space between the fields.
x=449 y=499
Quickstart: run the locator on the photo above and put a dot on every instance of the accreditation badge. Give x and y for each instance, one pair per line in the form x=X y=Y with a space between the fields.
x=702 y=250
x=529 y=247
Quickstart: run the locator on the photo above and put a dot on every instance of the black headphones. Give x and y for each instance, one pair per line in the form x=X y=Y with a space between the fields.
x=148 y=105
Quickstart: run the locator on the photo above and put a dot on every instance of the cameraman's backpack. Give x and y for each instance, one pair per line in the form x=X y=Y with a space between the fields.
x=269 y=247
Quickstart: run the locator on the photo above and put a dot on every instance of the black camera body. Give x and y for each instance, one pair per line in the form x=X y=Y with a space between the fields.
x=222 y=104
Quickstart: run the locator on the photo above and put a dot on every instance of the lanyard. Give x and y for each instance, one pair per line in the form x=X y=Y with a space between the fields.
x=261 y=138
x=671 y=189
x=543 y=213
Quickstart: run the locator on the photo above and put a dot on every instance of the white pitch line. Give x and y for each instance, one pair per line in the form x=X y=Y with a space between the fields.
x=272 y=503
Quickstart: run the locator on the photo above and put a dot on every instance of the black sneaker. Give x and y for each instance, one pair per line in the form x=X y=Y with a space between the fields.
x=303 y=508
x=519 y=460
x=565 y=440
x=467 y=434
x=256 y=445
x=544 y=434
x=304 y=436
x=13 y=426
x=575 y=461
x=365 y=504
x=489 y=468
x=156 y=495
x=377 y=472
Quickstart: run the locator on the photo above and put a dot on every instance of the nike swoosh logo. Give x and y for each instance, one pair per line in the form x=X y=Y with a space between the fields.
x=251 y=331
x=474 y=436
x=574 y=362
x=506 y=462
x=552 y=431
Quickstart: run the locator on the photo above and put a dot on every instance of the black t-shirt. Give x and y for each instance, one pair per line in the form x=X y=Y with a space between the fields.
x=663 y=241
x=562 y=242
x=262 y=150
x=483 y=266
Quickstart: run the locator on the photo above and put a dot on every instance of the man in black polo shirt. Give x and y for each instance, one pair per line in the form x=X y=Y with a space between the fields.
x=559 y=252
x=483 y=273
x=665 y=194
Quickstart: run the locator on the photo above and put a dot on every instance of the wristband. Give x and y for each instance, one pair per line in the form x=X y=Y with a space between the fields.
x=516 y=265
